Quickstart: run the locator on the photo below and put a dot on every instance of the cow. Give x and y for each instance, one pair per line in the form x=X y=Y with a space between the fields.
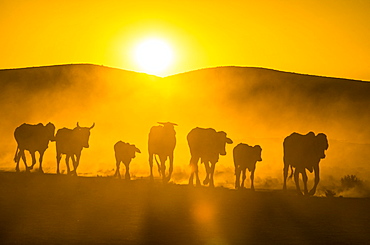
x=206 y=144
x=246 y=157
x=162 y=143
x=71 y=142
x=32 y=138
x=303 y=152
x=124 y=152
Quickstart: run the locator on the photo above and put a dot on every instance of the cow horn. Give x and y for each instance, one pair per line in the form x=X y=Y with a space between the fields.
x=78 y=126
x=164 y=123
x=92 y=126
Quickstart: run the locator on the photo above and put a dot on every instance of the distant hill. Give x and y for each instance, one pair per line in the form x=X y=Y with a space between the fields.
x=282 y=99
x=253 y=105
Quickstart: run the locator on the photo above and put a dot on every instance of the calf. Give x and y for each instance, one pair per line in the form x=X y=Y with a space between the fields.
x=124 y=153
x=245 y=157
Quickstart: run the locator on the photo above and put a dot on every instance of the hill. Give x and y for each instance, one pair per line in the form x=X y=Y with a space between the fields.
x=253 y=105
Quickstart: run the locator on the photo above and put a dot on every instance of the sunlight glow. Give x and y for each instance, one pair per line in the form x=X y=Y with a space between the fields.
x=154 y=56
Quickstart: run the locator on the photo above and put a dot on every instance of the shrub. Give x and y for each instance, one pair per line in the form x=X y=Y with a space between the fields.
x=330 y=193
x=350 y=181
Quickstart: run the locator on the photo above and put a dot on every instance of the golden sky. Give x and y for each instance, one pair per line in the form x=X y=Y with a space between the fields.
x=318 y=37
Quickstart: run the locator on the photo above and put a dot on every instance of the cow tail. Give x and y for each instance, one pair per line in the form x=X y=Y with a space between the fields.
x=292 y=172
x=16 y=154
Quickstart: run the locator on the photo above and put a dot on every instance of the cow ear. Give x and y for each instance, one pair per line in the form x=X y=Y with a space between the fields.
x=137 y=150
x=229 y=141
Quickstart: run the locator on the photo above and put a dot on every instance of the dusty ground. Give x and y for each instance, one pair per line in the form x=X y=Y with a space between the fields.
x=50 y=209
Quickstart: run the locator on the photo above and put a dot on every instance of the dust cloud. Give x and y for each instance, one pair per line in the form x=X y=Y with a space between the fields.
x=252 y=105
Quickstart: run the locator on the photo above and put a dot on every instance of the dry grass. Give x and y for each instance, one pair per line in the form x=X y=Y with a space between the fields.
x=50 y=209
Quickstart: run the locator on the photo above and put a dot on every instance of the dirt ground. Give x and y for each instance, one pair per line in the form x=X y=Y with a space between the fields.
x=51 y=209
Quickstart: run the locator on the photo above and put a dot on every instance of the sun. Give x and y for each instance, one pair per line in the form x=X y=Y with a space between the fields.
x=154 y=56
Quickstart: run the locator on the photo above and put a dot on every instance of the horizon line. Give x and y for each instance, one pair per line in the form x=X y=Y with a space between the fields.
x=199 y=69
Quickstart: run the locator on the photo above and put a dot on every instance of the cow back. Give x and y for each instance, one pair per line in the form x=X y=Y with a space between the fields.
x=246 y=155
x=300 y=150
x=161 y=140
x=125 y=151
x=206 y=143
x=33 y=137
x=67 y=142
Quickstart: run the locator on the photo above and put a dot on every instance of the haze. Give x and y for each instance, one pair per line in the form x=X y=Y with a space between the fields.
x=252 y=105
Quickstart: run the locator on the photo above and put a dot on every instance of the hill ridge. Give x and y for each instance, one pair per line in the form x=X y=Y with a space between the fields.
x=182 y=73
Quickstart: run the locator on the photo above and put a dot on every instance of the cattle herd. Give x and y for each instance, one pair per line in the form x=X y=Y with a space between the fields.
x=301 y=152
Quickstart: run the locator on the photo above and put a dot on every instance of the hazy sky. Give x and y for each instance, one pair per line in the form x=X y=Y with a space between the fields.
x=319 y=37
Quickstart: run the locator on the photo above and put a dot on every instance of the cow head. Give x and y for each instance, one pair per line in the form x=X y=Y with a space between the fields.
x=257 y=151
x=168 y=124
x=222 y=140
x=321 y=145
x=50 y=129
x=133 y=150
x=169 y=127
x=83 y=135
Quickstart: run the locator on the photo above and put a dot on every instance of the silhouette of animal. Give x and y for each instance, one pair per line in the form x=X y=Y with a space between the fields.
x=246 y=157
x=71 y=142
x=206 y=144
x=304 y=152
x=32 y=138
x=162 y=142
x=124 y=152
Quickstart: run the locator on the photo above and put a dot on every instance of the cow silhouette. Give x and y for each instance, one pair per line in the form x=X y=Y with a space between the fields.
x=33 y=138
x=245 y=157
x=124 y=152
x=162 y=143
x=303 y=152
x=207 y=145
x=71 y=142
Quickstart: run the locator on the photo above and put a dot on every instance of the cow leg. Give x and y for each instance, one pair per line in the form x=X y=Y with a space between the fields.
x=151 y=165
x=67 y=164
x=237 y=177
x=296 y=180
x=117 y=173
x=16 y=160
x=285 y=174
x=194 y=170
x=18 y=157
x=252 y=179
x=163 y=169
x=76 y=162
x=304 y=178
x=127 y=174
x=170 y=169
x=23 y=155
x=17 y=166
x=197 y=180
x=33 y=157
x=59 y=156
x=208 y=169
x=316 y=168
x=40 y=161
x=158 y=165
x=244 y=176
x=212 y=171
